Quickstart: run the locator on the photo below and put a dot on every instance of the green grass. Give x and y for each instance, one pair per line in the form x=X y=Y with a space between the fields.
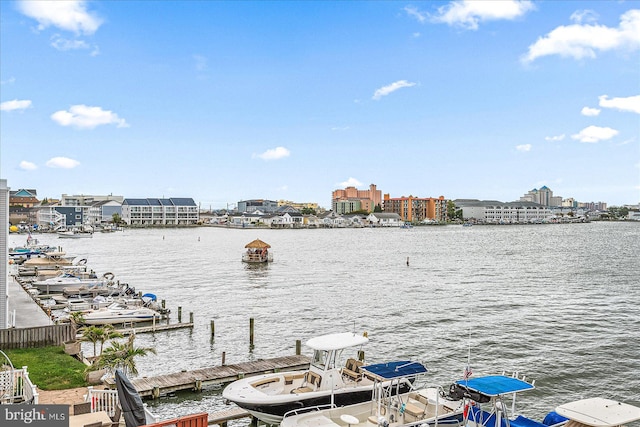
x=50 y=368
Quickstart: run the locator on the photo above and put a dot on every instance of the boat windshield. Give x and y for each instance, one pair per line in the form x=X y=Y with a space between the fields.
x=319 y=359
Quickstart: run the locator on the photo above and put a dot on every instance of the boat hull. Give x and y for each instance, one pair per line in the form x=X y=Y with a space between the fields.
x=114 y=320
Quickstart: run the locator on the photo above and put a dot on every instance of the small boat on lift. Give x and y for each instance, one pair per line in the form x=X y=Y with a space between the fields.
x=257 y=252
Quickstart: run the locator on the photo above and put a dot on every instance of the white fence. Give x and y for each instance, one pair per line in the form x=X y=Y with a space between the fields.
x=16 y=387
x=107 y=400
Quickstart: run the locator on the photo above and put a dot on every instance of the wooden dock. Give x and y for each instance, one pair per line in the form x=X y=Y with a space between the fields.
x=158 y=327
x=195 y=380
x=221 y=418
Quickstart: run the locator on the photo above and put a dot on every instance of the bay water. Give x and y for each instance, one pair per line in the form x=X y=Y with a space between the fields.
x=557 y=303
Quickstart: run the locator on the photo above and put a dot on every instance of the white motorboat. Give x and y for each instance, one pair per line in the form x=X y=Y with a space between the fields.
x=332 y=377
x=74 y=234
x=120 y=313
x=58 y=283
x=388 y=406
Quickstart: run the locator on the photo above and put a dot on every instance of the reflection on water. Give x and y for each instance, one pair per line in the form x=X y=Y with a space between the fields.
x=558 y=303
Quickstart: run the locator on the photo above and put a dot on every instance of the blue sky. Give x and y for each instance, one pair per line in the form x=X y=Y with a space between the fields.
x=224 y=101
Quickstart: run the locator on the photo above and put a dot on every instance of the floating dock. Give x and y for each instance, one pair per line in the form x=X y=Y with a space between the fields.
x=195 y=380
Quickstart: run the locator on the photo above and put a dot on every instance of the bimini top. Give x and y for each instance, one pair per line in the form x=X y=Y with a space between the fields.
x=495 y=385
x=599 y=412
x=393 y=370
x=336 y=341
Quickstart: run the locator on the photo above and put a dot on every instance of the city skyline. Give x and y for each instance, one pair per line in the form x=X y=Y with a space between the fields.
x=226 y=101
x=544 y=196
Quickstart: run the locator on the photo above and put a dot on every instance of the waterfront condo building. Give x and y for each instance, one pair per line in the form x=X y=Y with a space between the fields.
x=417 y=209
x=351 y=199
x=172 y=211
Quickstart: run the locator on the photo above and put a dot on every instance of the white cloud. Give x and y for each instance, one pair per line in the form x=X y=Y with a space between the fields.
x=631 y=103
x=340 y=128
x=10 y=80
x=554 y=138
x=62 y=163
x=595 y=134
x=386 y=90
x=582 y=41
x=590 y=112
x=28 y=166
x=469 y=13
x=85 y=117
x=415 y=13
x=275 y=154
x=69 y=15
x=16 y=104
x=523 y=147
x=580 y=16
x=351 y=182
x=63 y=44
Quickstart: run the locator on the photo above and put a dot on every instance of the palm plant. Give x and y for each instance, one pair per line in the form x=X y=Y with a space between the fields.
x=121 y=355
x=108 y=332
x=91 y=334
x=98 y=334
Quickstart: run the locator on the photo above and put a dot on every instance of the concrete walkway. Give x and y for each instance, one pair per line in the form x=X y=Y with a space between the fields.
x=28 y=313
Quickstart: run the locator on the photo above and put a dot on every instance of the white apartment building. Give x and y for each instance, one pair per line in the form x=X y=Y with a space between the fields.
x=86 y=200
x=172 y=211
x=495 y=212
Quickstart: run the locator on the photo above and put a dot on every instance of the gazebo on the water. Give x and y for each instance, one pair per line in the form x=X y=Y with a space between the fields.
x=257 y=252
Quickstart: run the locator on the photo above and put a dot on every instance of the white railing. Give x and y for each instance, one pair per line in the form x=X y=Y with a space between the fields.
x=107 y=400
x=16 y=387
x=102 y=400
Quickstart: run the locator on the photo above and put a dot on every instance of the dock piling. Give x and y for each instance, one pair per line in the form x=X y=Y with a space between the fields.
x=213 y=329
x=251 y=331
x=298 y=347
x=179 y=314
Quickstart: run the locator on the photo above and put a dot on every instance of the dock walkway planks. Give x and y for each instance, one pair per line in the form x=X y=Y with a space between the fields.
x=222 y=417
x=196 y=379
x=159 y=327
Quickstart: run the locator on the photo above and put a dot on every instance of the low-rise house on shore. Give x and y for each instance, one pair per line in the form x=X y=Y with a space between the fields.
x=333 y=220
x=384 y=219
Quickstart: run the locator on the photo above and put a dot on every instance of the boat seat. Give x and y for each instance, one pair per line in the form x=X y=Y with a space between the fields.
x=416 y=405
x=352 y=369
x=265 y=382
x=312 y=383
x=289 y=379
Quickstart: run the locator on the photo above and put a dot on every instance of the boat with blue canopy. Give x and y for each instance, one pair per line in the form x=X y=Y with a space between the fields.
x=592 y=412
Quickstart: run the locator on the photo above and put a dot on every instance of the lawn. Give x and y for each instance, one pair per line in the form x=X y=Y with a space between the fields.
x=50 y=368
